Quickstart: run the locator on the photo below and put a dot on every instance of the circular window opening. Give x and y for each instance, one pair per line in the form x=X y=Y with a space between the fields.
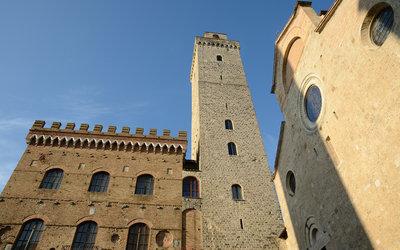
x=290 y=183
x=382 y=25
x=313 y=103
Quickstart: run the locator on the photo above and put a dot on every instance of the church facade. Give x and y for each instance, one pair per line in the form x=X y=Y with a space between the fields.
x=337 y=166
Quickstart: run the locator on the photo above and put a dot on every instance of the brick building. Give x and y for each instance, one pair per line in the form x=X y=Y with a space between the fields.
x=81 y=189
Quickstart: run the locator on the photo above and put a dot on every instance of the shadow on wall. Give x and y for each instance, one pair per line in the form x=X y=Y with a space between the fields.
x=374 y=8
x=320 y=210
x=319 y=207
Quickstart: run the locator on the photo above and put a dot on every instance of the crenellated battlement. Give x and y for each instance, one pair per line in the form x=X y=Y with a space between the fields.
x=211 y=39
x=97 y=139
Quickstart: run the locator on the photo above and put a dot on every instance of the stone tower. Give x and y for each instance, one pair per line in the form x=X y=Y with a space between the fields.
x=238 y=205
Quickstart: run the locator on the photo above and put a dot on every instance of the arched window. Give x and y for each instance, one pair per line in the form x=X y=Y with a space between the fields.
x=190 y=187
x=232 y=148
x=219 y=58
x=236 y=192
x=85 y=236
x=29 y=235
x=99 y=182
x=138 y=237
x=52 y=179
x=228 y=124
x=144 y=184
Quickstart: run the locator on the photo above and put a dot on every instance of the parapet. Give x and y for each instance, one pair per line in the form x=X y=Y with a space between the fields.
x=98 y=129
x=97 y=139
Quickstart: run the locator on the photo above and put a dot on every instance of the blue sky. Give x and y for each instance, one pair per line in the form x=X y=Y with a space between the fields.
x=125 y=63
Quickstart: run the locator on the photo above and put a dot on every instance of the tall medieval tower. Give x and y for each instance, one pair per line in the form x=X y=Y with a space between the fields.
x=239 y=207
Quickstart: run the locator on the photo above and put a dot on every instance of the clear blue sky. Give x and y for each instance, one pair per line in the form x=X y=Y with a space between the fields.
x=125 y=63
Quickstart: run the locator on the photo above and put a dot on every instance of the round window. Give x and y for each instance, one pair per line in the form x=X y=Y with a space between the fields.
x=313 y=103
x=290 y=183
x=382 y=25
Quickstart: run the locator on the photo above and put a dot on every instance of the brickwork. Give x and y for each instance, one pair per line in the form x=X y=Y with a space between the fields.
x=115 y=210
x=220 y=92
x=346 y=163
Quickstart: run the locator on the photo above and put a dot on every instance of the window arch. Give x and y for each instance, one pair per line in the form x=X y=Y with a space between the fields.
x=144 y=184
x=138 y=237
x=52 y=179
x=99 y=182
x=228 y=124
x=85 y=236
x=232 y=148
x=29 y=235
x=219 y=58
x=190 y=187
x=237 y=192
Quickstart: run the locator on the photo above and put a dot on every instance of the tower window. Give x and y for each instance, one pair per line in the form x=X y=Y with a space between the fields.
x=382 y=25
x=99 y=182
x=85 y=236
x=30 y=235
x=232 y=148
x=138 y=237
x=145 y=185
x=219 y=58
x=190 y=187
x=52 y=179
x=216 y=36
x=236 y=192
x=228 y=124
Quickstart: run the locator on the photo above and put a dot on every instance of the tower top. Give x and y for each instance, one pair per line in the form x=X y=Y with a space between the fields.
x=215 y=35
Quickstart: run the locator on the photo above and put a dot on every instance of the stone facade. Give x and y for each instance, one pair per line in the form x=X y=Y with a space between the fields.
x=219 y=93
x=80 y=154
x=344 y=190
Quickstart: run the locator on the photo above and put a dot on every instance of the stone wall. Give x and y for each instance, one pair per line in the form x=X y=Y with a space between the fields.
x=346 y=163
x=220 y=92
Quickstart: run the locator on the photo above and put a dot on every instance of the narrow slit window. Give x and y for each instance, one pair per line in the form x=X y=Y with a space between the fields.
x=236 y=192
x=228 y=125
x=232 y=148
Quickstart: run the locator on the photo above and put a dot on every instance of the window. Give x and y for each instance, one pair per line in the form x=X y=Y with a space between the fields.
x=99 y=182
x=219 y=58
x=52 y=179
x=138 y=237
x=313 y=103
x=85 y=236
x=228 y=124
x=236 y=192
x=232 y=148
x=216 y=36
x=145 y=184
x=29 y=236
x=382 y=25
x=290 y=183
x=190 y=187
